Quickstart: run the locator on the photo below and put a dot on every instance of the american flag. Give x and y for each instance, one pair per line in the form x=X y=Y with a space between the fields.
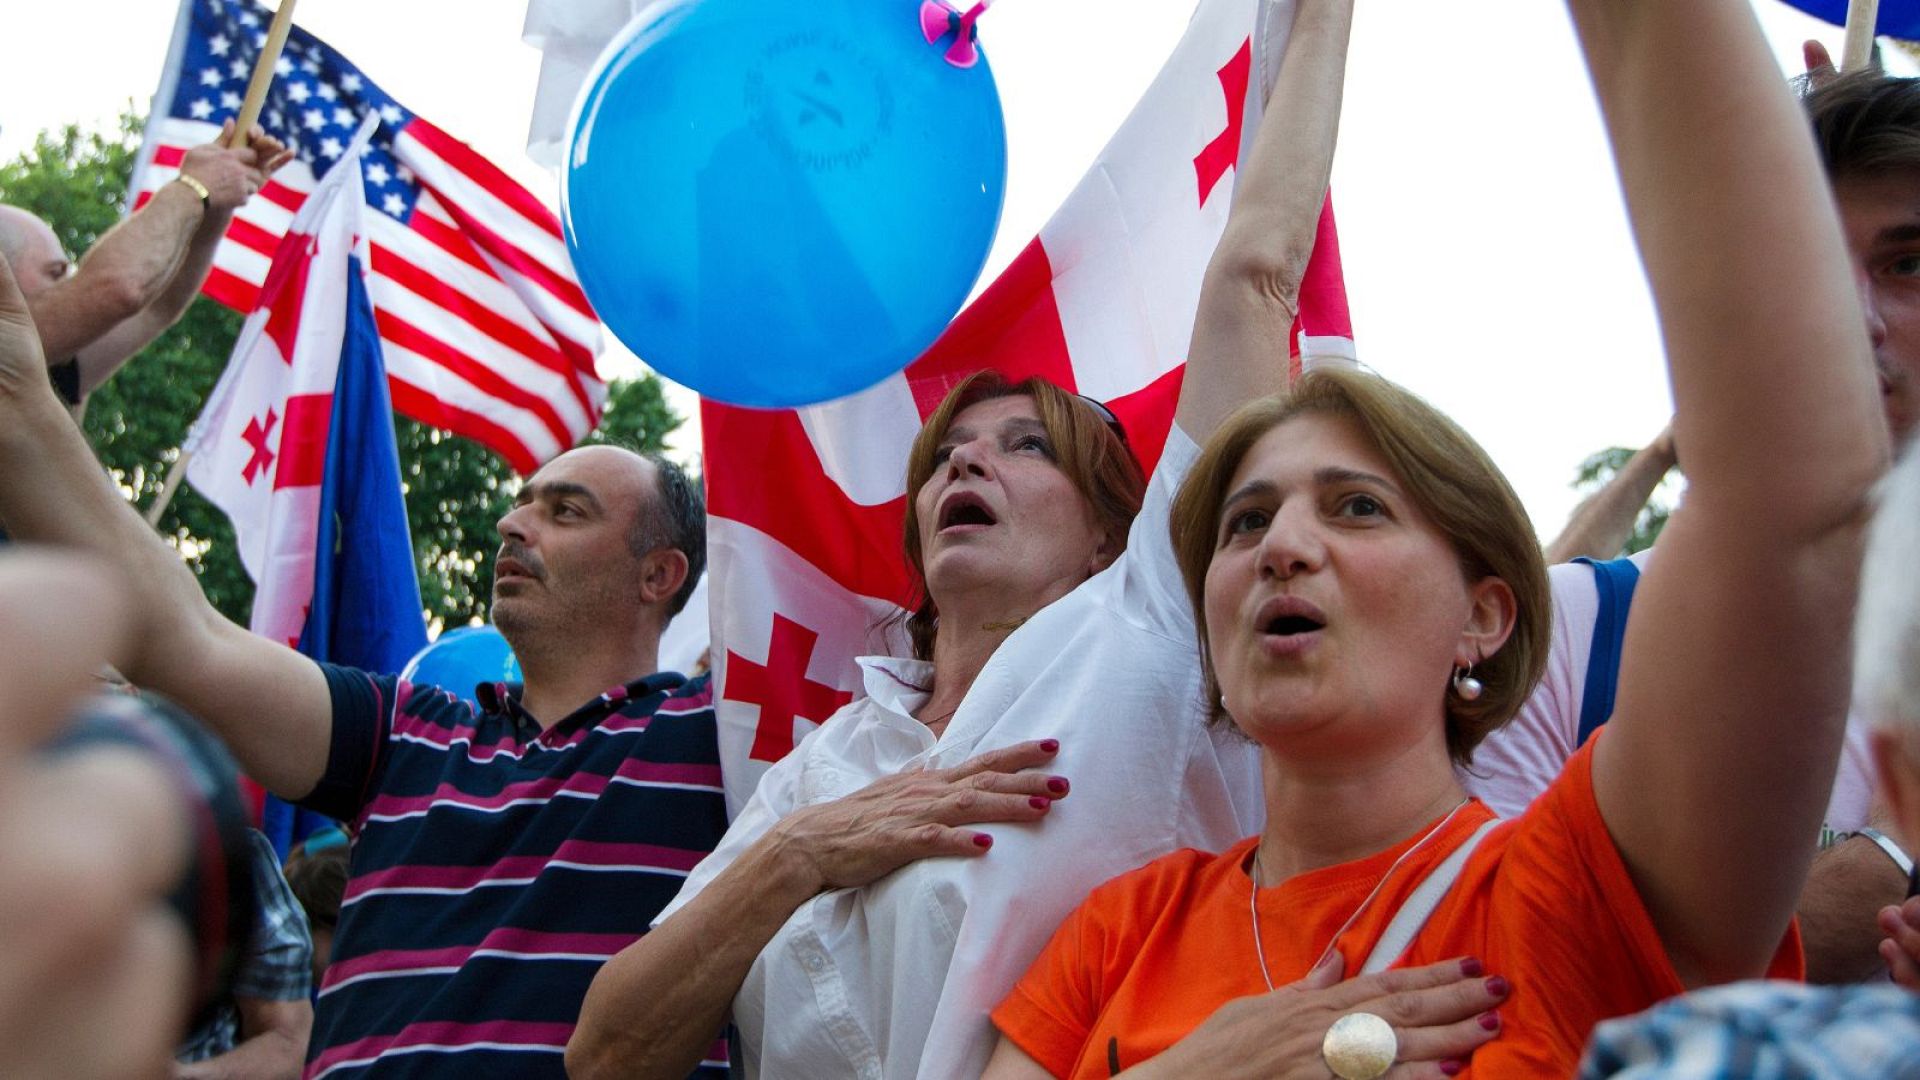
x=484 y=326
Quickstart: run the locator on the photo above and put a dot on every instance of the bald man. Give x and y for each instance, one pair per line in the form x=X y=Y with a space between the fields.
x=138 y=278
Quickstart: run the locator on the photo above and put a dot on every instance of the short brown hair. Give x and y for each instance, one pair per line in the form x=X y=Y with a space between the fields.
x=1455 y=484
x=1866 y=122
x=1090 y=453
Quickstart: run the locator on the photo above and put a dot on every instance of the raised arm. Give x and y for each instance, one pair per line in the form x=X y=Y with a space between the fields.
x=139 y=277
x=1716 y=767
x=268 y=703
x=1251 y=291
x=1600 y=525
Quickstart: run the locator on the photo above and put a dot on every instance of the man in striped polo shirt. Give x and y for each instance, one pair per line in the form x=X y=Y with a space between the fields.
x=500 y=854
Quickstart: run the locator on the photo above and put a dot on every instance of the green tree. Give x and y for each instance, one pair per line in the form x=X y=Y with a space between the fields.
x=1599 y=468
x=77 y=181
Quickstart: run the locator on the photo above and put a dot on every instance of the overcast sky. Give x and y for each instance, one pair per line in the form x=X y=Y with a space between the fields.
x=1487 y=256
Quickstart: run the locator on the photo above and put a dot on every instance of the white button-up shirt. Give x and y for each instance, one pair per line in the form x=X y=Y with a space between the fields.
x=895 y=980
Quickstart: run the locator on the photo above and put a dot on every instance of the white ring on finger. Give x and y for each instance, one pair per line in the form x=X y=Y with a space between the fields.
x=1360 y=1046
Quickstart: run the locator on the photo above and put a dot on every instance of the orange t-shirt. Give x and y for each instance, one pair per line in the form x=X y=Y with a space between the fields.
x=1545 y=901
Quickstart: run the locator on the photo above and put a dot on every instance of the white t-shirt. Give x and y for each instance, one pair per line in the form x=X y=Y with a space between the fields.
x=1516 y=763
x=896 y=979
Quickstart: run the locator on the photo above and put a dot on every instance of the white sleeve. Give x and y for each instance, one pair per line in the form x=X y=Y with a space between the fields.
x=1512 y=766
x=773 y=798
x=1145 y=580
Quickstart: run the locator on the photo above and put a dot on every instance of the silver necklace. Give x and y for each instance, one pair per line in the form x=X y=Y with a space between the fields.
x=1253 y=896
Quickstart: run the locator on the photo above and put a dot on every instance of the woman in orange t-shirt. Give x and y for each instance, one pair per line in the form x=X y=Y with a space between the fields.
x=1372 y=602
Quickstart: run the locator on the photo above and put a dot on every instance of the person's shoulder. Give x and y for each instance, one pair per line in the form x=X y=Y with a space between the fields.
x=1167 y=879
x=687 y=696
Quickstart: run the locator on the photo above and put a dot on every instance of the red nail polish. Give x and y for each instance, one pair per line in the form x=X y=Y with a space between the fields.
x=1057 y=785
x=1039 y=803
x=1490 y=1021
x=1452 y=1068
x=1472 y=968
x=982 y=840
x=1499 y=987
x=1050 y=745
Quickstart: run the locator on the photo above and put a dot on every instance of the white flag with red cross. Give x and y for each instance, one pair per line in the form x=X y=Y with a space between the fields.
x=806 y=506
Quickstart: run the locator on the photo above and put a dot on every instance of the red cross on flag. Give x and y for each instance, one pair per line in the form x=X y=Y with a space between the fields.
x=805 y=507
x=260 y=446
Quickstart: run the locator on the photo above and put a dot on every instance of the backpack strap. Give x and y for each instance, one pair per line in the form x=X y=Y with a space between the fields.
x=1418 y=908
x=1615 y=579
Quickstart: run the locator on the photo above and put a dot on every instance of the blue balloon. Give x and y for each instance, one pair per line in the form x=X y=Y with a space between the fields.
x=1898 y=18
x=459 y=660
x=778 y=204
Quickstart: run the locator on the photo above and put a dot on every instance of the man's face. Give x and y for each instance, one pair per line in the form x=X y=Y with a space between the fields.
x=1880 y=213
x=33 y=251
x=565 y=563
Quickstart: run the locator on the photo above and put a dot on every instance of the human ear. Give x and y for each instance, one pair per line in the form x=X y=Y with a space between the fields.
x=662 y=573
x=1490 y=620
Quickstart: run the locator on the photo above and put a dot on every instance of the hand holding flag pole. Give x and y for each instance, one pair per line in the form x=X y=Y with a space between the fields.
x=262 y=74
x=249 y=115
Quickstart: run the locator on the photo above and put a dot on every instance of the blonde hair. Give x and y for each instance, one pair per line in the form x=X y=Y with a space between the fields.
x=1089 y=452
x=1455 y=484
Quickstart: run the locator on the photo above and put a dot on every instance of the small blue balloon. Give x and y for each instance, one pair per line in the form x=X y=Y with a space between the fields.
x=778 y=204
x=1898 y=18
x=459 y=660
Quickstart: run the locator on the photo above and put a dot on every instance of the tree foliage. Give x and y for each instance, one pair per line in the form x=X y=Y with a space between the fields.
x=455 y=489
x=1601 y=467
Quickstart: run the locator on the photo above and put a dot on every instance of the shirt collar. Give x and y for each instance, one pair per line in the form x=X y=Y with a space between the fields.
x=896 y=683
x=503 y=699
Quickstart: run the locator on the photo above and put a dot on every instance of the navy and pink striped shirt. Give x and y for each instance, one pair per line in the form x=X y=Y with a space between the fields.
x=495 y=867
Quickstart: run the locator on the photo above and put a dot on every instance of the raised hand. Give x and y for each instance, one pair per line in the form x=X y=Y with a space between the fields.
x=232 y=175
x=916 y=815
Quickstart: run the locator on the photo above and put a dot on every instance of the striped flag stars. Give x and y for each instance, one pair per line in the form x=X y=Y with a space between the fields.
x=484 y=326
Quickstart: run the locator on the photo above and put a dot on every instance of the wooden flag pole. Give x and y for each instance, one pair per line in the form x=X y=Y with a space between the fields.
x=1862 y=16
x=249 y=115
x=262 y=74
x=175 y=474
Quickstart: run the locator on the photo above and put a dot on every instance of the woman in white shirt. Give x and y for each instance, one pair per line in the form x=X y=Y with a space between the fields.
x=849 y=923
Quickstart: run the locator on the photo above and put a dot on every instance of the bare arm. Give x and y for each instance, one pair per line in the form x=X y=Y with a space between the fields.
x=1715 y=770
x=1846 y=888
x=1251 y=291
x=274 y=1045
x=661 y=1001
x=53 y=491
x=1600 y=526
x=231 y=178
x=121 y=274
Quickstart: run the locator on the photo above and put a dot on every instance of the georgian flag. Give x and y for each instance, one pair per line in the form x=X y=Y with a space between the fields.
x=805 y=507
x=296 y=446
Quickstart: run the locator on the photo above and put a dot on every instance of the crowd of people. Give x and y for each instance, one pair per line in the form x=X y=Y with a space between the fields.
x=1293 y=757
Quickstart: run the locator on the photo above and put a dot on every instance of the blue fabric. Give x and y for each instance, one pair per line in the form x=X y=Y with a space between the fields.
x=366 y=600
x=278 y=965
x=1763 y=1031
x=1615 y=579
x=1898 y=18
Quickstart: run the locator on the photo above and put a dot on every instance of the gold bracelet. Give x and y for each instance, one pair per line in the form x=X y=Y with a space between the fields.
x=196 y=187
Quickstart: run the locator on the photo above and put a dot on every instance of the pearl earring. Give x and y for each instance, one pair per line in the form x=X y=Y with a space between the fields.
x=1465 y=685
